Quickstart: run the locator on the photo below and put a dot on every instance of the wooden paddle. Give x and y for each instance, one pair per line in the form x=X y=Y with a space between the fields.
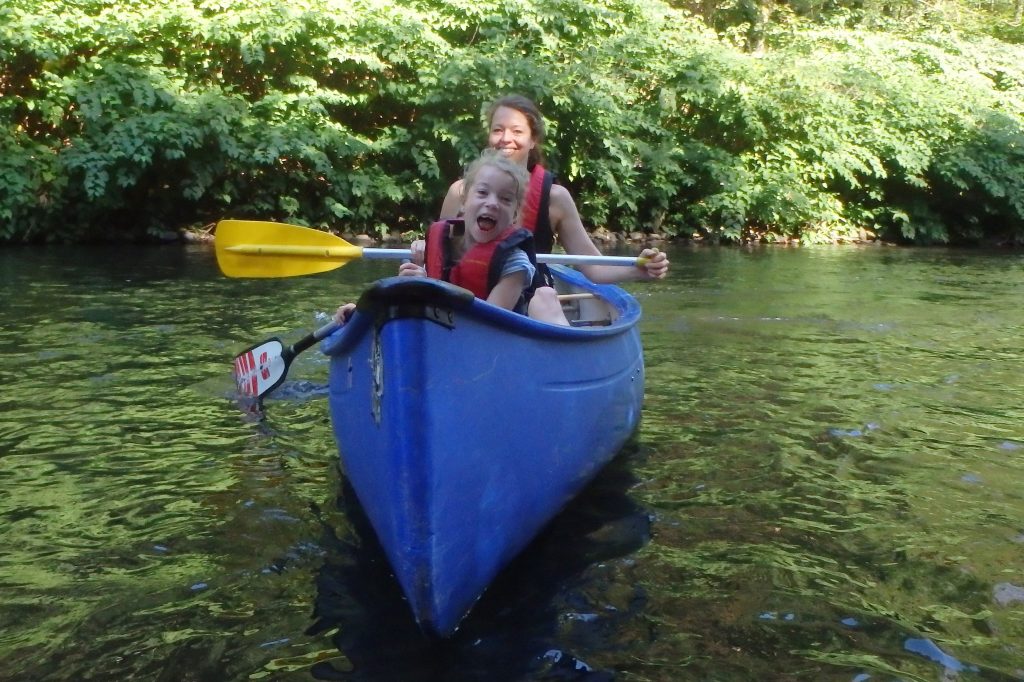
x=253 y=248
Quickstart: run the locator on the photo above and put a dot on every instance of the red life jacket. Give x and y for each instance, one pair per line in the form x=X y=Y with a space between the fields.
x=536 y=214
x=479 y=269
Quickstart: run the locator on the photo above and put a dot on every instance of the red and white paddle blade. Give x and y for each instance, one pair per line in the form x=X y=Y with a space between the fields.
x=260 y=369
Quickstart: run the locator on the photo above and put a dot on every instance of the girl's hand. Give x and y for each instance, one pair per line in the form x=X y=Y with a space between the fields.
x=344 y=312
x=419 y=249
x=656 y=266
x=411 y=270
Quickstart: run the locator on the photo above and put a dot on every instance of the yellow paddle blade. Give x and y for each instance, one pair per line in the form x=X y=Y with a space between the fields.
x=254 y=248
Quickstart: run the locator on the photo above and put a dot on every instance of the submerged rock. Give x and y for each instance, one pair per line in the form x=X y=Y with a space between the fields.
x=1008 y=593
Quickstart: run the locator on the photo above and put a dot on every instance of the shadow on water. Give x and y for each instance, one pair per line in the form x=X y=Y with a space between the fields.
x=541 y=605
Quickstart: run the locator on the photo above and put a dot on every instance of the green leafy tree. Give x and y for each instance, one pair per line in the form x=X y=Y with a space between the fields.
x=129 y=119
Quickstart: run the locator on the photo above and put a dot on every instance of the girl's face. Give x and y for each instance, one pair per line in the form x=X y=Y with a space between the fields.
x=511 y=134
x=490 y=204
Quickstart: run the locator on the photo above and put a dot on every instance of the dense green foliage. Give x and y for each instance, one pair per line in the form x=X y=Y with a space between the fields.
x=129 y=118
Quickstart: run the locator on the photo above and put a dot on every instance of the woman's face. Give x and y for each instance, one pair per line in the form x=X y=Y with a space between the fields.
x=490 y=204
x=511 y=134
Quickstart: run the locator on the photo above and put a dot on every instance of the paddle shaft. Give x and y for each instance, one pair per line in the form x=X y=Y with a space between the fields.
x=338 y=252
x=254 y=248
x=311 y=338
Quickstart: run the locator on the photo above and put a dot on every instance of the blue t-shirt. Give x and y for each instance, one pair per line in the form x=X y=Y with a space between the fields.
x=518 y=261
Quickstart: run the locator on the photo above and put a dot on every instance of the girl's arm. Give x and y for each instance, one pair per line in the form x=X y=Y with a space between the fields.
x=507 y=291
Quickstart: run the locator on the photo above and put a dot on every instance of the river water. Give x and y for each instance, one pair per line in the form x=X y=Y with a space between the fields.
x=827 y=484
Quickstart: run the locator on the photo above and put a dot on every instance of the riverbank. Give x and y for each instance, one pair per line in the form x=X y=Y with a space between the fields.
x=602 y=236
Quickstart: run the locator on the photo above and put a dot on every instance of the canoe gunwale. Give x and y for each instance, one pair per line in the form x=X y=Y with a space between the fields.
x=386 y=296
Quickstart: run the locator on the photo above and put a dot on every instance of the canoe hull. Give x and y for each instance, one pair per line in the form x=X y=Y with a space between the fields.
x=464 y=428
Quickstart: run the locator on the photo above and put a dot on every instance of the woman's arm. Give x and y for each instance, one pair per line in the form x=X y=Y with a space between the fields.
x=452 y=201
x=566 y=223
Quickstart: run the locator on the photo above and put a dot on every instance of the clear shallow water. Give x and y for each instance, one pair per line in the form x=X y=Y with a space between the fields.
x=827 y=484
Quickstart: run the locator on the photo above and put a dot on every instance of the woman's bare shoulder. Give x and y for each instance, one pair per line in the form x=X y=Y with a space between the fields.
x=452 y=201
x=562 y=208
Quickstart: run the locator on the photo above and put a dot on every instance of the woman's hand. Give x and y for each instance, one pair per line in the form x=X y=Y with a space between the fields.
x=656 y=265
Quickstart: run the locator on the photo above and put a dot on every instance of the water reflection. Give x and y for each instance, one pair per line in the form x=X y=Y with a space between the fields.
x=558 y=592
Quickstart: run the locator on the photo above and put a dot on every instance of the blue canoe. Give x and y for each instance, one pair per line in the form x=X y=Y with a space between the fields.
x=464 y=428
